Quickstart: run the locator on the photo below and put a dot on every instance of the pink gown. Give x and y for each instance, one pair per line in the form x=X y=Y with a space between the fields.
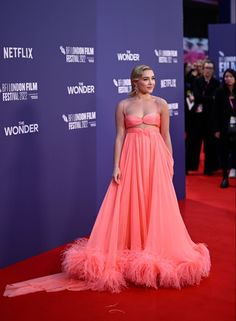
x=139 y=236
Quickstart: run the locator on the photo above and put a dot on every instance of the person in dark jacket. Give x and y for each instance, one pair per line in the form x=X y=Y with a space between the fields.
x=225 y=122
x=201 y=130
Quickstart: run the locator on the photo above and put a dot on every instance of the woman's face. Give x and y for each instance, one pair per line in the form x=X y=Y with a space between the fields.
x=146 y=83
x=229 y=79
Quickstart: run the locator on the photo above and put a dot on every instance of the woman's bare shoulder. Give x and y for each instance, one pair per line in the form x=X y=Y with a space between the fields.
x=122 y=104
x=161 y=103
x=160 y=100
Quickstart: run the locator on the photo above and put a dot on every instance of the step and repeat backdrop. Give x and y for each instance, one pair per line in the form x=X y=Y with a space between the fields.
x=131 y=33
x=64 y=67
x=222 y=47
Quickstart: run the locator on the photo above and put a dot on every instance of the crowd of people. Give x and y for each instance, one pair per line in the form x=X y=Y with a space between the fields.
x=210 y=119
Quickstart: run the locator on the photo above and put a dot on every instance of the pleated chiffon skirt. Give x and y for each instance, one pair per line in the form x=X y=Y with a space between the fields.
x=139 y=235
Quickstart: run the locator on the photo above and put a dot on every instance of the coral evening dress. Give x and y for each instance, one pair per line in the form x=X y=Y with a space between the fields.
x=139 y=236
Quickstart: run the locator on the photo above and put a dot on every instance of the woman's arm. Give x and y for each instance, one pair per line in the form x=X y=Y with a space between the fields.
x=120 y=135
x=165 y=121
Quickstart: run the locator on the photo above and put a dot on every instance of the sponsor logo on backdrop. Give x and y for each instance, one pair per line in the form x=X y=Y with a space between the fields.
x=123 y=85
x=21 y=129
x=166 y=56
x=81 y=88
x=78 y=54
x=164 y=83
x=17 y=53
x=80 y=120
x=128 y=56
x=226 y=62
x=19 y=91
x=174 y=109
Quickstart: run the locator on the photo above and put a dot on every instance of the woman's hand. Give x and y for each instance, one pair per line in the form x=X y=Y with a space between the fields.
x=116 y=175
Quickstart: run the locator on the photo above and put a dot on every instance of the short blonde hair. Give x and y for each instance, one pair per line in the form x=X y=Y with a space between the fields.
x=135 y=75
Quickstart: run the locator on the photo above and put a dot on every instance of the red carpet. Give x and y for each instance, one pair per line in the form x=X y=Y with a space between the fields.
x=209 y=215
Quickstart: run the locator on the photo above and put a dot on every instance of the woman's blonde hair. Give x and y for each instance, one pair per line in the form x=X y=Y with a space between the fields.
x=135 y=75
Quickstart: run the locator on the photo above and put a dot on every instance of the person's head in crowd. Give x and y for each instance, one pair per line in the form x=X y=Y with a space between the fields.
x=194 y=71
x=229 y=80
x=199 y=67
x=188 y=67
x=208 y=69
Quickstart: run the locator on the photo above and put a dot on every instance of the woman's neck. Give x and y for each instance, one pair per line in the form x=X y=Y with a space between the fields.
x=143 y=96
x=231 y=88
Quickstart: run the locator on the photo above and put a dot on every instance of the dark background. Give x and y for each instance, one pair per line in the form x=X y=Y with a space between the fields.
x=198 y=14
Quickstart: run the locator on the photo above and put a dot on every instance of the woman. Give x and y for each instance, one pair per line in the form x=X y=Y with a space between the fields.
x=225 y=116
x=139 y=235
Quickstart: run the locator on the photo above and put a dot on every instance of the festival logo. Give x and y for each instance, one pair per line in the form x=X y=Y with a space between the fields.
x=80 y=89
x=225 y=62
x=166 y=56
x=21 y=129
x=78 y=54
x=173 y=109
x=128 y=56
x=123 y=85
x=80 y=120
x=17 y=53
x=19 y=91
x=165 y=83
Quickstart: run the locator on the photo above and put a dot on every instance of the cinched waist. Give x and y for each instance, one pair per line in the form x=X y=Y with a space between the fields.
x=144 y=129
